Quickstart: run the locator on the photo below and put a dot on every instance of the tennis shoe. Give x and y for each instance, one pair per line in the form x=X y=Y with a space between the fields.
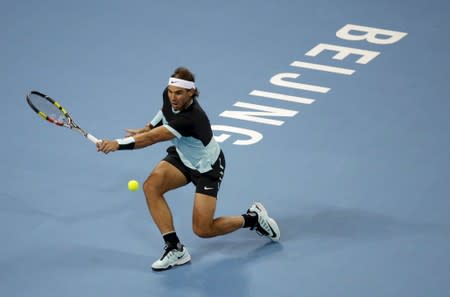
x=266 y=226
x=172 y=257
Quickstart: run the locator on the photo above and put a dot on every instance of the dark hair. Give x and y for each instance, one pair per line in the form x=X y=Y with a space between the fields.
x=186 y=74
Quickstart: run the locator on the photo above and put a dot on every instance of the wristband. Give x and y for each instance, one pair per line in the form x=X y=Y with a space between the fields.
x=126 y=143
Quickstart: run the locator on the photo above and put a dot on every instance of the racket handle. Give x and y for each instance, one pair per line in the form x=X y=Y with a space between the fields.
x=92 y=138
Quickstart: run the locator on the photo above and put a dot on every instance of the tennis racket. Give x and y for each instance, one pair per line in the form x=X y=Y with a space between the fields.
x=53 y=112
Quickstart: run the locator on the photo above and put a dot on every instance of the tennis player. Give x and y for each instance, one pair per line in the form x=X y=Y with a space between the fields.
x=194 y=157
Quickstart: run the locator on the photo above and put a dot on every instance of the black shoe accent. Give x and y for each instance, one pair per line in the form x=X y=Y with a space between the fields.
x=250 y=220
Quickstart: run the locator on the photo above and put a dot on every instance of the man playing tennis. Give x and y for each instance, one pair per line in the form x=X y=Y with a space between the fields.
x=194 y=157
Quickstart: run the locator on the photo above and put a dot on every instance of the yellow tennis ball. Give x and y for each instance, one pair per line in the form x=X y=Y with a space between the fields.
x=133 y=185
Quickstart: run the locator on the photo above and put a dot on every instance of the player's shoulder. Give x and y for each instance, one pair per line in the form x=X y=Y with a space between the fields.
x=200 y=114
x=197 y=108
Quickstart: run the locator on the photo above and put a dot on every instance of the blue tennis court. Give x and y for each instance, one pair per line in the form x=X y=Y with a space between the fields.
x=334 y=114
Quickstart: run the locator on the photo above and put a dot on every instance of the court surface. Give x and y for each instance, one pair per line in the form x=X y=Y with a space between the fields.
x=352 y=161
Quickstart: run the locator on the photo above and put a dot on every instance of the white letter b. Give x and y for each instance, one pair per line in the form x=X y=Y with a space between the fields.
x=371 y=34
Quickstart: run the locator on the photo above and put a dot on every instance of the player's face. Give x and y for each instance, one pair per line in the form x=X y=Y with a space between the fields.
x=179 y=98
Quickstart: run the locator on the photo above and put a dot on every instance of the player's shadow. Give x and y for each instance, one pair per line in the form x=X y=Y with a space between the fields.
x=227 y=276
x=351 y=224
x=227 y=273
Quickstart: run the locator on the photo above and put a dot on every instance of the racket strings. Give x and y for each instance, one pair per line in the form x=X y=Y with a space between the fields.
x=49 y=110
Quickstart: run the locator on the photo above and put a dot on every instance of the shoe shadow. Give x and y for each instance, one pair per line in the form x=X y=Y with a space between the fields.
x=351 y=224
x=224 y=277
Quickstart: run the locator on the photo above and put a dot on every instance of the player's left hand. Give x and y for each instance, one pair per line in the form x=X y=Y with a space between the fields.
x=107 y=146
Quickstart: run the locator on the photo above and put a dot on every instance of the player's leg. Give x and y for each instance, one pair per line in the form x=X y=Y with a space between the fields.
x=165 y=177
x=203 y=222
x=205 y=225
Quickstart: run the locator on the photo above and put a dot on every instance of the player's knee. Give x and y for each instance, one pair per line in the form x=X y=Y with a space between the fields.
x=152 y=184
x=202 y=231
x=148 y=186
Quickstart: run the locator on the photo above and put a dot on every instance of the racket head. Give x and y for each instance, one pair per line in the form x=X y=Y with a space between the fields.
x=49 y=109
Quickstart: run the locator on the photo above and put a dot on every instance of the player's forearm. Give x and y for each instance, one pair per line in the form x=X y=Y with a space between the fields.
x=145 y=139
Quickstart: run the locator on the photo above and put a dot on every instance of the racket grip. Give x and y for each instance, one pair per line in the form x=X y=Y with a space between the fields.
x=92 y=138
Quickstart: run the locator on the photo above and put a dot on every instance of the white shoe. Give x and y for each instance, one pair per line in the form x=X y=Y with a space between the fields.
x=266 y=225
x=172 y=257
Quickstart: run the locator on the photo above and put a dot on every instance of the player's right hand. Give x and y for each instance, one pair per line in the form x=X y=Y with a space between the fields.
x=107 y=146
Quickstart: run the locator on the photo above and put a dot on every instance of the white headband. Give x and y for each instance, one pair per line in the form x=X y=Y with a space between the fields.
x=178 y=82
